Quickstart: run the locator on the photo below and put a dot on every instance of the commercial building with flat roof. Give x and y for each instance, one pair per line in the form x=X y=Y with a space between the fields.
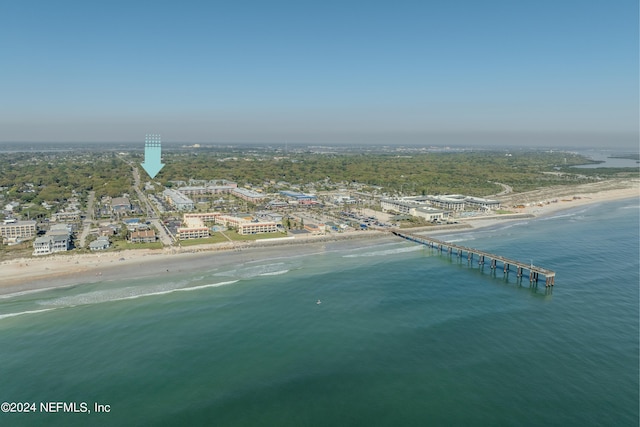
x=298 y=196
x=430 y=214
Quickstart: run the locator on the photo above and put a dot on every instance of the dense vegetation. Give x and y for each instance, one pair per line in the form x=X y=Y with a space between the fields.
x=40 y=177
x=32 y=178
x=473 y=173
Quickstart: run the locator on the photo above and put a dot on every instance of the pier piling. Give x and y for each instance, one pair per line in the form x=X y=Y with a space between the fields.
x=534 y=271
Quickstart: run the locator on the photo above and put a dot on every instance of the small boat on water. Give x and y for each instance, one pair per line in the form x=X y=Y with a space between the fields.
x=318 y=302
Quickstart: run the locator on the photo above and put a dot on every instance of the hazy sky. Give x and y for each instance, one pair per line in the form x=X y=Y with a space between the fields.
x=551 y=72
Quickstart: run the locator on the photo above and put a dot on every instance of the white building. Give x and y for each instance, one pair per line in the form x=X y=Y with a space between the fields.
x=452 y=202
x=449 y=202
x=479 y=202
x=178 y=200
x=100 y=244
x=50 y=244
x=399 y=205
x=430 y=214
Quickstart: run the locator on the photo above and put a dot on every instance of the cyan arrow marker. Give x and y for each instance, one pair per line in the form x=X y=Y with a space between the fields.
x=152 y=155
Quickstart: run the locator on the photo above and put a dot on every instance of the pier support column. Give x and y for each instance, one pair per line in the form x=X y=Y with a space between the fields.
x=506 y=267
x=493 y=264
x=519 y=272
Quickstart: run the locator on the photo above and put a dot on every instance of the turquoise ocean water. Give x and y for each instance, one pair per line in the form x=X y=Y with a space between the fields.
x=403 y=336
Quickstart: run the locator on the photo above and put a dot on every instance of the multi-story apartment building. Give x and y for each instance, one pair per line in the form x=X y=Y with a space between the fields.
x=13 y=229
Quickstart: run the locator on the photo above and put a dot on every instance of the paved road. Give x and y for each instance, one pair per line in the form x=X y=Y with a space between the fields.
x=88 y=220
x=505 y=189
x=163 y=234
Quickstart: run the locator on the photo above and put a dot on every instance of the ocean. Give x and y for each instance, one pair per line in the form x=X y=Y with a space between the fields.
x=403 y=336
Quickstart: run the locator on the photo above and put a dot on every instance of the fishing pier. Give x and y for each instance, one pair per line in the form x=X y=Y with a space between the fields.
x=521 y=268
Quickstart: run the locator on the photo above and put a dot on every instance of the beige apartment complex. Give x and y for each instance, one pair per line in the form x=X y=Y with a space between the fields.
x=12 y=229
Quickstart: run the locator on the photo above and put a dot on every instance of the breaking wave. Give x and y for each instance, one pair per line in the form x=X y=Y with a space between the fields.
x=386 y=252
x=20 y=313
x=121 y=294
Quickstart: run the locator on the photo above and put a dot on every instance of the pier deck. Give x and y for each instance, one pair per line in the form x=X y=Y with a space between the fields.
x=534 y=271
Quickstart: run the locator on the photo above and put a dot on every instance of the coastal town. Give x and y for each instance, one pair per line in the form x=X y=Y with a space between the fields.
x=175 y=213
x=172 y=217
x=158 y=213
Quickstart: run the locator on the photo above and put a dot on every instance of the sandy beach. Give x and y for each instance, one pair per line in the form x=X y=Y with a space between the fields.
x=30 y=274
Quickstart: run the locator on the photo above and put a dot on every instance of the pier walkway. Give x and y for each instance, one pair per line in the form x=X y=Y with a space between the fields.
x=533 y=271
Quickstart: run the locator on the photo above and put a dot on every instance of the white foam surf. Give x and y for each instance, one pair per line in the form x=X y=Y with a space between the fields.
x=122 y=294
x=20 y=313
x=275 y=273
x=386 y=252
x=21 y=293
x=258 y=270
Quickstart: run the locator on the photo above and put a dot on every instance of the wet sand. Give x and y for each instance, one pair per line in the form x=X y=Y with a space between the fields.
x=30 y=274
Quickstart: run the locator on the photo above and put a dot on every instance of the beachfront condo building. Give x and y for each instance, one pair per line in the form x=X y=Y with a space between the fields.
x=450 y=202
x=246 y=226
x=478 y=202
x=257 y=227
x=194 y=227
x=206 y=216
x=185 y=233
x=178 y=200
x=142 y=236
x=12 y=229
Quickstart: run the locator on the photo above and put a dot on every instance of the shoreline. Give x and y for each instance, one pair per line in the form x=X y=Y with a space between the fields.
x=26 y=275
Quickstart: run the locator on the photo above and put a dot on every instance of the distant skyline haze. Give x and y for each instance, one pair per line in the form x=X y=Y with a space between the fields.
x=551 y=73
